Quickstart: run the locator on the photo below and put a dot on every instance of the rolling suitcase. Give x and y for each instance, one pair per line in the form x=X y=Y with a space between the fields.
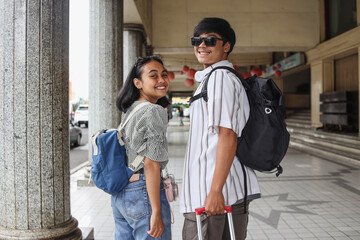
x=228 y=210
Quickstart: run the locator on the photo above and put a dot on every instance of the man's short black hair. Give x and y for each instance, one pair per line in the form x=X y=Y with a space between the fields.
x=219 y=26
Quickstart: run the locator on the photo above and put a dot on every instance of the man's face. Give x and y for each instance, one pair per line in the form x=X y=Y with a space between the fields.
x=210 y=55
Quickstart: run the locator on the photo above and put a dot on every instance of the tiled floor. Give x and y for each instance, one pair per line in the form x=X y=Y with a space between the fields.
x=313 y=199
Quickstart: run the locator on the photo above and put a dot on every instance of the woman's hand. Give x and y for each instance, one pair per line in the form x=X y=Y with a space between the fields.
x=152 y=173
x=156 y=225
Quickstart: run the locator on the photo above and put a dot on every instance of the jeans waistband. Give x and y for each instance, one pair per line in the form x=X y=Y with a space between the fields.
x=140 y=171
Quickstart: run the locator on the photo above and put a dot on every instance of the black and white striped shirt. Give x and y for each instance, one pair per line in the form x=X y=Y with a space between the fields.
x=227 y=107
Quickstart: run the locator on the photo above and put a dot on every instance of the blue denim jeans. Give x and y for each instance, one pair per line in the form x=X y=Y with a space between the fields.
x=132 y=212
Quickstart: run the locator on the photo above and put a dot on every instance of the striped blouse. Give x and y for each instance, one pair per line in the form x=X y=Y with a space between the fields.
x=227 y=107
x=145 y=134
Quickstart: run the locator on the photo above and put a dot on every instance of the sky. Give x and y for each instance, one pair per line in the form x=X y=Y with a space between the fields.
x=79 y=48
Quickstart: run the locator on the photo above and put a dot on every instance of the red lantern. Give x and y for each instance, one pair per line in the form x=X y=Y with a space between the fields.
x=278 y=73
x=273 y=68
x=185 y=68
x=181 y=73
x=189 y=82
x=236 y=68
x=245 y=75
x=171 y=75
x=191 y=73
x=278 y=65
x=256 y=70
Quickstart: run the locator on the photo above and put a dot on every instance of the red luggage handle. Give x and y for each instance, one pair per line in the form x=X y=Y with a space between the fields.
x=198 y=211
x=228 y=210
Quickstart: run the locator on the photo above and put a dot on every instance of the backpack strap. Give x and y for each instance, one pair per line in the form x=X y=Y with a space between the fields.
x=119 y=134
x=139 y=158
x=203 y=93
x=121 y=126
x=138 y=107
x=245 y=83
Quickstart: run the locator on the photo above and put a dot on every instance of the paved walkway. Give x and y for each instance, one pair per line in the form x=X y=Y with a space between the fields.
x=313 y=199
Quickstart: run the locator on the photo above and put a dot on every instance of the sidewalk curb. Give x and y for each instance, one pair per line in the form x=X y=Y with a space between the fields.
x=79 y=167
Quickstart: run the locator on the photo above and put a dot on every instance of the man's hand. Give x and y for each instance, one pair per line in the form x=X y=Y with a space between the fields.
x=214 y=203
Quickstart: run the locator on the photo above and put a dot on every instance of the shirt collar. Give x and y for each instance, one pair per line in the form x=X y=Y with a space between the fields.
x=200 y=75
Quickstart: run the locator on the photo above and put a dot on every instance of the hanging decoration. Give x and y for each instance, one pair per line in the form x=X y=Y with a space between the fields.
x=185 y=68
x=171 y=75
x=191 y=73
x=236 y=68
x=277 y=70
x=256 y=70
x=189 y=82
x=245 y=75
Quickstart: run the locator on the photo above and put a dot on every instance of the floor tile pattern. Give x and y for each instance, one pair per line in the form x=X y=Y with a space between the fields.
x=313 y=199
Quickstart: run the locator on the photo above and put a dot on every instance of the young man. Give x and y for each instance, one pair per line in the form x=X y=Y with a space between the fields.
x=213 y=177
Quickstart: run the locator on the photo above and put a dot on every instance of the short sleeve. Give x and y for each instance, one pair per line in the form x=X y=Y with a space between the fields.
x=223 y=101
x=154 y=124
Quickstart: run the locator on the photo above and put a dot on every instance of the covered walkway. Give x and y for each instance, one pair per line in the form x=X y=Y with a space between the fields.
x=313 y=199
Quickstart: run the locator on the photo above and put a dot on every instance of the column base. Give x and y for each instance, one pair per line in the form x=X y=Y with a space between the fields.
x=68 y=230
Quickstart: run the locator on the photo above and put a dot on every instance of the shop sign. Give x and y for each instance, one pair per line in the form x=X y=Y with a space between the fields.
x=293 y=61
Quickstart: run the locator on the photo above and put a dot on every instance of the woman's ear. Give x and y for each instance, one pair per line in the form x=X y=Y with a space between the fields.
x=137 y=83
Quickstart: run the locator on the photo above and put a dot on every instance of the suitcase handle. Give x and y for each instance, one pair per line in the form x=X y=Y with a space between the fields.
x=198 y=211
x=228 y=210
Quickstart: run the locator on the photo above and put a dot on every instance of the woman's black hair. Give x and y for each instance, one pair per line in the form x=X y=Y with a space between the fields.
x=219 y=26
x=129 y=93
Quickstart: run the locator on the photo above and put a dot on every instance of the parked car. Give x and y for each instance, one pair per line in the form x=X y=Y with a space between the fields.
x=75 y=135
x=82 y=115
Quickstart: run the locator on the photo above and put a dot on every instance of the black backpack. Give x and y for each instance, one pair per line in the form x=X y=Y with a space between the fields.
x=264 y=139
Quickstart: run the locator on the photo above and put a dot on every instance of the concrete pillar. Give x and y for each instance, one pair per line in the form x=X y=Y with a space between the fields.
x=134 y=45
x=359 y=90
x=34 y=121
x=106 y=63
x=322 y=80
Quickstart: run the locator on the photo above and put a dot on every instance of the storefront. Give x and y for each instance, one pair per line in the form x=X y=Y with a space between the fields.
x=334 y=67
x=292 y=75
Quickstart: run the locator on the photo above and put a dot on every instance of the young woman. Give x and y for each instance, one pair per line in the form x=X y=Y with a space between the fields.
x=141 y=210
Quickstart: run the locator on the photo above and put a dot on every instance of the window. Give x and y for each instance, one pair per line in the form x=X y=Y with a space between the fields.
x=340 y=16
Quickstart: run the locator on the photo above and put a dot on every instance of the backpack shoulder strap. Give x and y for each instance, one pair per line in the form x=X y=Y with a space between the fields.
x=121 y=126
x=203 y=93
x=138 y=107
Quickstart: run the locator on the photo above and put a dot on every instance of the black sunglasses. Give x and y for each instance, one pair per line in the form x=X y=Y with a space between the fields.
x=209 y=41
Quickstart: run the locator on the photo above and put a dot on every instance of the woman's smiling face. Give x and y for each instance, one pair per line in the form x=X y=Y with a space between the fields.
x=154 y=82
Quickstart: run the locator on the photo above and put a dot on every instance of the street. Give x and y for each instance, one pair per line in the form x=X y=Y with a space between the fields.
x=79 y=155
